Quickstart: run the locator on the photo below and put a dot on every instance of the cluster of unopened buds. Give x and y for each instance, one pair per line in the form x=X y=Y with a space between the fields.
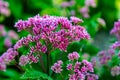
x=46 y=33
x=9 y=36
x=78 y=70
x=4 y=10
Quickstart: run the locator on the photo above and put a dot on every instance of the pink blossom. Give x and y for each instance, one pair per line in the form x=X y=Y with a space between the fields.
x=115 y=45
x=44 y=49
x=53 y=31
x=2 y=31
x=2 y=66
x=77 y=65
x=116 y=29
x=72 y=77
x=7 y=42
x=67 y=4
x=7 y=57
x=101 y=53
x=57 y=68
x=90 y=3
x=33 y=58
x=12 y=34
x=23 y=60
x=69 y=67
x=88 y=65
x=101 y=21
x=73 y=56
x=81 y=70
x=84 y=69
x=60 y=62
x=48 y=29
x=76 y=20
x=115 y=71
x=4 y=10
x=84 y=11
x=111 y=52
x=91 y=76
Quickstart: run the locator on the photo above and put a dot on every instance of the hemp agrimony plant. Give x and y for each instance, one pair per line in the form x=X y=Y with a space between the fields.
x=47 y=34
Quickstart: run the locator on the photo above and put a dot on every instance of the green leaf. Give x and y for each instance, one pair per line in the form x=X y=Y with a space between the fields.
x=33 y=74
x=75 y=46
x=9 y=74
x=80 y=2
x=92 y=24
x=16 y=9
x=40 y=4
x=2 y=47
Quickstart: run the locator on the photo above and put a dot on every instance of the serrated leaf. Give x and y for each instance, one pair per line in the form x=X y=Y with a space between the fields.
x=33 y=74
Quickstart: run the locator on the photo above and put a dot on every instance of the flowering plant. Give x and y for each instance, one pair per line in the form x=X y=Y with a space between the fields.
x=47 y=34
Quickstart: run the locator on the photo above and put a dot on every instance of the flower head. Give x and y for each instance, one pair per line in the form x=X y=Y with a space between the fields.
x=116 y=29
x=4 y=10
x=23 y=60
x=57 y=68
x=73 y=56
x=115 y=71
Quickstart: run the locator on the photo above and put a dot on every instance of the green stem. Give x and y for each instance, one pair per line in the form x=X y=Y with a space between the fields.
x=19 y=67
x=47 y=63
x=62 y=76
x=42 y=65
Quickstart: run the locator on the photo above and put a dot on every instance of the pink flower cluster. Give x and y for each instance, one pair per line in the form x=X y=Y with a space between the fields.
x=8 y=42
x=101 y=21
x=115 y=71
x=105 y=56
x=85 y=9
x=7 y=57
x=115 y=45
x=105 y=59
x=80 y=70
x=90 y=3
x=116 y=32
x=2 y=30
x=46 y=32
x=73 y=56
x=116 y=29
x=59 y=31
x=92 y=77
x=57 y=67
x=23 y=60
x=4 y=10
x=67 y=3
x=75 y=20
x=9 y=36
